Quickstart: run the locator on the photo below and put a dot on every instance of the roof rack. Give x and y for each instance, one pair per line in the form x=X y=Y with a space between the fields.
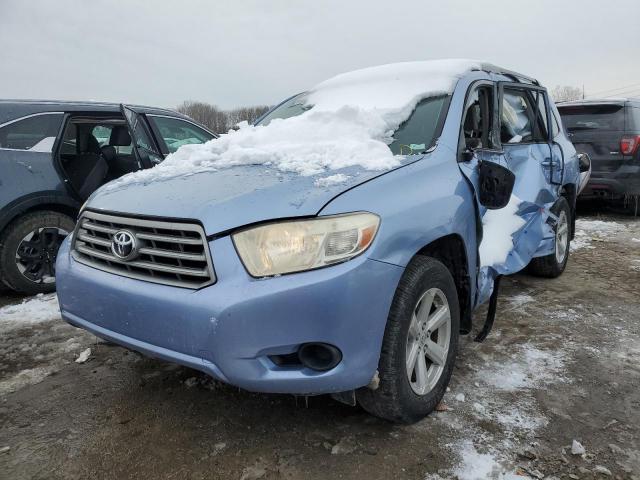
x=517 y=77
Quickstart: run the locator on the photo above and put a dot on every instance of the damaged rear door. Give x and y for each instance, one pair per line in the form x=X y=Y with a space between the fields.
x=506 y=126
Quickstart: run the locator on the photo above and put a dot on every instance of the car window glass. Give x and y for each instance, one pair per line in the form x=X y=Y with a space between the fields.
x=102 y=133
x=291 y=108
x=555 y=125
x=593 y=117
x=175 y=132
x=515 y=118
x=634 y=118
x=417 y=134
x=36 y=134
x=476 y=124
x=540 y=125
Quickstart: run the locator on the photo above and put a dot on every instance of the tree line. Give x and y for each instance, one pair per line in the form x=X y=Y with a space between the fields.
x=218 y=120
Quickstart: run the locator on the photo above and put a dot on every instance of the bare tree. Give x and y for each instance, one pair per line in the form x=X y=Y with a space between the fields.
x=217 y=120
x=565 y=93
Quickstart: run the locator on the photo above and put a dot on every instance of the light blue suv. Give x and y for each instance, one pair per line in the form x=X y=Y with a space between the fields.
x=275 y=278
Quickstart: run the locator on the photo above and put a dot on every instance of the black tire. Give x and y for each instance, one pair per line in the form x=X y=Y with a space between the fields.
x=549 y=266
x=40 y=270
x=394 y=399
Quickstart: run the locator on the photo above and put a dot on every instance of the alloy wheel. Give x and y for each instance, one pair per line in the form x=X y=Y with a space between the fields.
x=562 y=237
x=428 y=341
x=37 y=252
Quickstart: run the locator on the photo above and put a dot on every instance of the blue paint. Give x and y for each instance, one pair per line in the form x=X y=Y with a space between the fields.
x=228 y=329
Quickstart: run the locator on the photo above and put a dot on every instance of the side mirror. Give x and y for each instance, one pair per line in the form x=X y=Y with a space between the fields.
x=496 y=185
x=584 y=162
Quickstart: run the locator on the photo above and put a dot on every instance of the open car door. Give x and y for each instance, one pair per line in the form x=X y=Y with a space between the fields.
x=144 y=147
x=513 y=167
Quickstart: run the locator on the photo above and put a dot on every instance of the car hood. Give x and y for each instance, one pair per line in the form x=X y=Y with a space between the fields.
x=229 y=198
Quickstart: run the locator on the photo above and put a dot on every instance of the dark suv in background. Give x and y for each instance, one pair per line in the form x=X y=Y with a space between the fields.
x=53 y=155
x=609 y=132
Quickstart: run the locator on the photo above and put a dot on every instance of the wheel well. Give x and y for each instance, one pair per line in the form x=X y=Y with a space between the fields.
x=450 y=250
x=55 y=207
x=568 y=191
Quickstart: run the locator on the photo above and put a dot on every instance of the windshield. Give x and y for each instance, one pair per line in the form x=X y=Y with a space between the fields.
x=291 y=108
x=414 y=136
x=592 y=117
x=418 y=132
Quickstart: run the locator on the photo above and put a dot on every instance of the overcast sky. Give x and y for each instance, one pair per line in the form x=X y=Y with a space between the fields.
x=245 y=52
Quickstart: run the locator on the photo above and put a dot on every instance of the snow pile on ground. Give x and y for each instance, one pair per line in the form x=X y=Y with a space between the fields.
x=529 y=367
x=38 y=309
x=481 y=466
x=351 y=123
x=25 y=377
x=498 y=227
x=588 y=230
x=516 y=302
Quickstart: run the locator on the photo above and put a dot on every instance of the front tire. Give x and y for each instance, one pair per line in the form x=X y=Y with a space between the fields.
x=419 y=346
x=28 y=250
x=552 y=266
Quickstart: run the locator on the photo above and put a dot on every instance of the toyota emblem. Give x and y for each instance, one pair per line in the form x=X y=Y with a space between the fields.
x=124 y=245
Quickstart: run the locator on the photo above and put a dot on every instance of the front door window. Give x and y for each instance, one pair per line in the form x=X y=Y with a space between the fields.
x=175 y=133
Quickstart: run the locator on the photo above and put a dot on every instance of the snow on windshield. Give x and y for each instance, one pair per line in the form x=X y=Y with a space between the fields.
x=351 y=123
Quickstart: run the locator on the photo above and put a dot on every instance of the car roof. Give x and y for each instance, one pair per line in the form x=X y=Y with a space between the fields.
x=600 y=101
x=12 y=109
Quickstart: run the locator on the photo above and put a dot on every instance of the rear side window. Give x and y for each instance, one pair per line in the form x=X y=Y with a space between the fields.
x=37 y=133
x=592 y=117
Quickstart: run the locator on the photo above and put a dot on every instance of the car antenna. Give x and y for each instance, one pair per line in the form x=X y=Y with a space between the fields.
x=491 y=313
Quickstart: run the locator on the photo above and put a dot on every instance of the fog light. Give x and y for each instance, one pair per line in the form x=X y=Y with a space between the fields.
x=319 y=356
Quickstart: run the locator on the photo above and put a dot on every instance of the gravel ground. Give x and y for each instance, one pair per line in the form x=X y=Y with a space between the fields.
x=562 y=364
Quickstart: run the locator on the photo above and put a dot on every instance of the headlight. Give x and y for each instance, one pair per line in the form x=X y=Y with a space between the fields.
x=299 y=245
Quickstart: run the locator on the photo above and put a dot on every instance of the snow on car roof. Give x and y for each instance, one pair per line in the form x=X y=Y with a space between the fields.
x=353 y=117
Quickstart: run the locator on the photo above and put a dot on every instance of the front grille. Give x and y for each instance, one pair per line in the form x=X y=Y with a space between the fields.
x=170 y=253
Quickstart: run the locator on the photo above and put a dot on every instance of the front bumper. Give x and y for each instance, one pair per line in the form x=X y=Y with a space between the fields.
x=230 y=329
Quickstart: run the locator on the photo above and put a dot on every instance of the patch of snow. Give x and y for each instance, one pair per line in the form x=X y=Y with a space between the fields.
x=635 y=240
x=351 y=123
x=481 y=466
x=530 y=368
x=577 y=448
x=23 y=378
x=84 y=356
x=517 y=301
x=587 y=230
x=498 y=227
x=331 y=180
x=460 y=397
x=33 y=310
